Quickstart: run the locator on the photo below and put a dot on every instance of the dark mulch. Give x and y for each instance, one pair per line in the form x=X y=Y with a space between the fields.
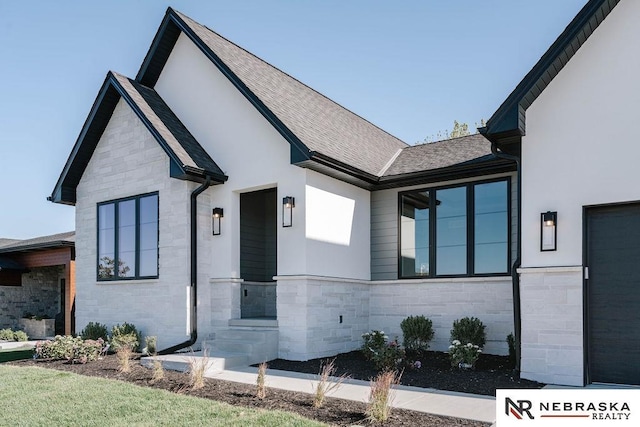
x=490 y=373
x=336 y=412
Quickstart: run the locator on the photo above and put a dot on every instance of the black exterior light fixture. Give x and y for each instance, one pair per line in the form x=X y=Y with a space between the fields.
x=548 y=231
x=288 y=203
x=215 y=217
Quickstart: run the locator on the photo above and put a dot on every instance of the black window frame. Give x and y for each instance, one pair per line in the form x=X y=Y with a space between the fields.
x=136 y=269
x=470 y=218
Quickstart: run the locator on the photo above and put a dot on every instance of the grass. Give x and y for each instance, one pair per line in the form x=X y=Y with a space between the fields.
x=61 y=398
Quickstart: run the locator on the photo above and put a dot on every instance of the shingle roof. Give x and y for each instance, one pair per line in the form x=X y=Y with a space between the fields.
x=320 y=124
x=42 y=242
x=178 y=139
x=441 y=154
x=191 y=161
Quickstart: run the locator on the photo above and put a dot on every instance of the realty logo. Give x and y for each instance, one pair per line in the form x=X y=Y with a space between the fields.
x=518 y=409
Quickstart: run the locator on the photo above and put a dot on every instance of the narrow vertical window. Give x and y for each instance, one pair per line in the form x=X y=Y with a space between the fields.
x=106 y=241
x=414 y=229
x=451 y=231
x=149 y=236
x=491 y=219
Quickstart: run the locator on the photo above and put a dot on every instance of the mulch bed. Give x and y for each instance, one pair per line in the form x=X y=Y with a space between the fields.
x=490 y=373
x=336 y=412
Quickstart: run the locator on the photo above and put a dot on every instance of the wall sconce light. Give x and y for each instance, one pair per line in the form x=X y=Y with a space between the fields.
x=548 y=231
x=288 y=203
x=215 y=217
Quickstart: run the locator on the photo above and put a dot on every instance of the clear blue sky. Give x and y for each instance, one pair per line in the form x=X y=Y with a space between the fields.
x=411 y=67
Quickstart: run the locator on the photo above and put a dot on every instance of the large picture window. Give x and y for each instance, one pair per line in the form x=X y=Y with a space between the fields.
x=455 y=231
x=128 y=238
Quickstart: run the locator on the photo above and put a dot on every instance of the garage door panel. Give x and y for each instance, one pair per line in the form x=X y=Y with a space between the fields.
x=613 y=294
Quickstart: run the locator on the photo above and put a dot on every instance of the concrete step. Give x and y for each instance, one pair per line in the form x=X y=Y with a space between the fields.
x=181 y=362
x=258 y=345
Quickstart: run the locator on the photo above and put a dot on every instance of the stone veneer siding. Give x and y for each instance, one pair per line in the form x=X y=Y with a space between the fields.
x=552 y=325
x=309 y=310
x=128 y=161
x=39 y=295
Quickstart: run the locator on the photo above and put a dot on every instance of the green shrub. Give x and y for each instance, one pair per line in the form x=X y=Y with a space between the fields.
x=6 y=335
x=151 y=344
x=125 y=335
x=385 y=356
x=511 y=342
x=463 y=354
x=9 y=335
x=469 y=330
x=95 y=330
x=20 y=336
x=417 y=332
x=66 y=347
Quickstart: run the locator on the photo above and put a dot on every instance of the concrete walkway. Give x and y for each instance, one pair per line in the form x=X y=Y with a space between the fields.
x=432 y=401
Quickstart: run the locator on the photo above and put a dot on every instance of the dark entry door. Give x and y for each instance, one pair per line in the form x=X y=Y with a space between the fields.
x=613 y=293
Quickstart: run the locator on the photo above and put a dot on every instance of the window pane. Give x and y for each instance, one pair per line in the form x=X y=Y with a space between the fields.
x=491 y=228
x=149 y=209
x=126 y=238
x=149 y=249
x=414 y=234
x=106 y=240
x=451 y=231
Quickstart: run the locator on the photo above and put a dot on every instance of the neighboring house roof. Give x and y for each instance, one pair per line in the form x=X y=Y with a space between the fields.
x=188 y=160
x=317 y=127
x=67 y=239
x=508 y=123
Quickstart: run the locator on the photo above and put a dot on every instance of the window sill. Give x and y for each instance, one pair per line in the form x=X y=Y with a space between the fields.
x=127 y=282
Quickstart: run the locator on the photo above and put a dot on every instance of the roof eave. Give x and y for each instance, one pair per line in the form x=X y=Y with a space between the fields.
x=39 y=246
x=509 y=120
x=459 y=171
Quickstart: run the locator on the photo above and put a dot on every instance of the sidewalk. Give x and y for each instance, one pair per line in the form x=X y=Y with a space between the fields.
x=432 y=401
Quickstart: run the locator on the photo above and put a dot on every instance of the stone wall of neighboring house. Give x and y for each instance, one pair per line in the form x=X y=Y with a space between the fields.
x=39 y=295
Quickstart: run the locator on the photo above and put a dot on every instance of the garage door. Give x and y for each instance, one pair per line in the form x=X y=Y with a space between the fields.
x=613 y=294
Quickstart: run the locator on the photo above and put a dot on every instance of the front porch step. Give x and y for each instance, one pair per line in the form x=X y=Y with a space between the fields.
x=257 y=344
x=182 y=361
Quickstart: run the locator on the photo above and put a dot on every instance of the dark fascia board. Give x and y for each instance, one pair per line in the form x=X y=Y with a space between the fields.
x=461 y=171
x=110 y=93
x=40 y=246
x=508 y=122
x=159 y=52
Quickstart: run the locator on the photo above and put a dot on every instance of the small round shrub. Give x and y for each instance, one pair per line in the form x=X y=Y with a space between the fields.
x=417 y=332
x=469 y=330
x=6 y=335
x=20 y=336
x=125 y=335
x=94 y=330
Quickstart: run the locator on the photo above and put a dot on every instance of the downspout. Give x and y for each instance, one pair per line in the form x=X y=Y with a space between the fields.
x=515 y=278
x=194 y=271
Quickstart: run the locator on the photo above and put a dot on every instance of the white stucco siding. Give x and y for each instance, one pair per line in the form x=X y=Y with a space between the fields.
x=245 y=146
x=581 y=147
x=127 y=162
x=337 y=228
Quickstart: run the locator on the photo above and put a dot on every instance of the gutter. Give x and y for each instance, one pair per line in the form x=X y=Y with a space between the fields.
x=194 y=271
x=515 y=278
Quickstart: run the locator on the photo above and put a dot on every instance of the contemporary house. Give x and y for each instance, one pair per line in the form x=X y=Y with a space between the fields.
x=220 y=200
x=37 y=276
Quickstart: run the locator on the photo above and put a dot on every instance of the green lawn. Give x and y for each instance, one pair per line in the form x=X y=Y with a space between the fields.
x=46 y=397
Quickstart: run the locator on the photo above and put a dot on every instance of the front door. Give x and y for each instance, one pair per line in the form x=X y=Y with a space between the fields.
x=258 y=253
x=613 y=293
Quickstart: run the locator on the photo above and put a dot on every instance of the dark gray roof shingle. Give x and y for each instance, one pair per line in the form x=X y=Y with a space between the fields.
x=178 y=139
x=441 y=154
x=321 y=124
